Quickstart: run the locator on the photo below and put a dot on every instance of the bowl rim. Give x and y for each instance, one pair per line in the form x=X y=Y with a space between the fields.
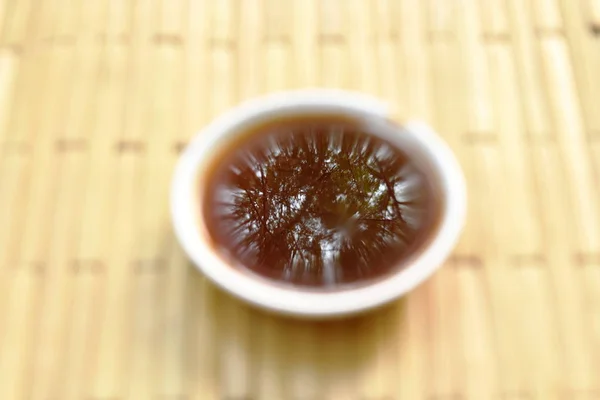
x=314 y=304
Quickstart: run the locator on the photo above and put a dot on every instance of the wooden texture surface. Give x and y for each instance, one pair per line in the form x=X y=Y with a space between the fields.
x=97 y=97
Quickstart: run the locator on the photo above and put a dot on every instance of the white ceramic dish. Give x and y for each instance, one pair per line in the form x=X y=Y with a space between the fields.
x=417 y=138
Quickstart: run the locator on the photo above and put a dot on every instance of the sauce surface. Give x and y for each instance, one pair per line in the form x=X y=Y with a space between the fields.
x=317 y=202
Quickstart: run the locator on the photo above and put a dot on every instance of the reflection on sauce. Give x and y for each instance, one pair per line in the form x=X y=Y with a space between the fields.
x=317 y=202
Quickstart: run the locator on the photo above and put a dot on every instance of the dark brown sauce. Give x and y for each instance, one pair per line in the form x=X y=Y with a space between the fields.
x=317 y=202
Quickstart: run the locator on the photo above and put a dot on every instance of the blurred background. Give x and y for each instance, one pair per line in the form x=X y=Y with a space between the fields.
x=98 y=97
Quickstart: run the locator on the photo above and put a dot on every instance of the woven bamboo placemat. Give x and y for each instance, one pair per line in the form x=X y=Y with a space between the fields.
x=97 y=98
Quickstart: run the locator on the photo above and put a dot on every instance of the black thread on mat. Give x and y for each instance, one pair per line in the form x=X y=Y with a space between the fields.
x=465 y=261
x=167 y=39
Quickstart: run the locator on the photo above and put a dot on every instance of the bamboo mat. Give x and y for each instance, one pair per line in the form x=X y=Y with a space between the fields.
x=97 y=301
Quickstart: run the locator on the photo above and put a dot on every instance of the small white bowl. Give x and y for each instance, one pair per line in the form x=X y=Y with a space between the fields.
x=419 y=140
